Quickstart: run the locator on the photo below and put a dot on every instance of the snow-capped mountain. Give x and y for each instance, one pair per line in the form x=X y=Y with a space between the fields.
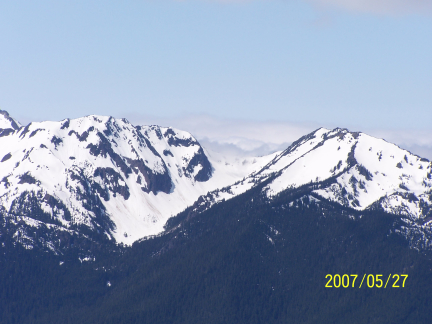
x=352 y=169
x=7 y=123
x=105 y=174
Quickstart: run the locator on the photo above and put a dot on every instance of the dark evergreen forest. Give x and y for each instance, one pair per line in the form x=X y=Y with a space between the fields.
x=246 y=260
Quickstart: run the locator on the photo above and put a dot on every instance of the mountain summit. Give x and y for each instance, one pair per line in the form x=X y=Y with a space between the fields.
x=7 y=123
x=103 y=174
x=351 y=169
x=98 y=174
x=255 y=239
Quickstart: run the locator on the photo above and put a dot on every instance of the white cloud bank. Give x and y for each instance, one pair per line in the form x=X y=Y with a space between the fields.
x=238 y=138
x=233 y=137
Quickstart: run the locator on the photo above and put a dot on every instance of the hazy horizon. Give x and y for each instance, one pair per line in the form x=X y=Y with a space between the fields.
x=222 y=69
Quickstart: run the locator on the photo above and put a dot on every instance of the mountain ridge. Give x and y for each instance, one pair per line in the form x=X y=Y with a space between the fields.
x=106 y=174
x=343 y=167
x=126 y=181
x=257 y=249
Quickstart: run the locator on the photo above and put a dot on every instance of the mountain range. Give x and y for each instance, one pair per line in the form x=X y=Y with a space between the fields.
x=102 y=221
x=99 y=174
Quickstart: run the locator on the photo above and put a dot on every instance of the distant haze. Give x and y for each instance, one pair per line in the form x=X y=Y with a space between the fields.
x=247 y=137
x=245 y=76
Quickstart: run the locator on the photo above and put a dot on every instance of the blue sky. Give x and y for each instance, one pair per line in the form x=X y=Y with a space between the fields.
x=362 y=64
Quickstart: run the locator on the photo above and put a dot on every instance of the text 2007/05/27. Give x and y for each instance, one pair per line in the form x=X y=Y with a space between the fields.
x=368 y=280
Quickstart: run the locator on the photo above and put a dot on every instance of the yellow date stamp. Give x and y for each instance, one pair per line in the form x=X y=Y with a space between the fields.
x=368 y=280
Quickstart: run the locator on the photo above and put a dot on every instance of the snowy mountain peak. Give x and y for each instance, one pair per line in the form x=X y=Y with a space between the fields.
x=104 y=174
x=350 y=168
x=7 y=123
x=358 y=170
x=107 y=176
